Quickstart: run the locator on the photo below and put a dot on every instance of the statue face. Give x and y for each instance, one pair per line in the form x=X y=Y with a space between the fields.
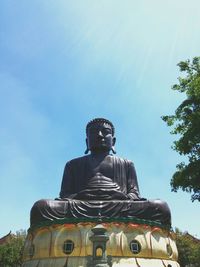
x=100 y=138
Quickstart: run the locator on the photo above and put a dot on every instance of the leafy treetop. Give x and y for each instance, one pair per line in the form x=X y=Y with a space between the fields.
x=186 y=123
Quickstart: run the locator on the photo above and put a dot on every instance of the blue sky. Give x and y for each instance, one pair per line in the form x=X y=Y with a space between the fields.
x=63 y=63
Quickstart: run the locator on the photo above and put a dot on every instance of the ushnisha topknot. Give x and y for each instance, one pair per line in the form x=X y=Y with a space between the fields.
x=101 y=120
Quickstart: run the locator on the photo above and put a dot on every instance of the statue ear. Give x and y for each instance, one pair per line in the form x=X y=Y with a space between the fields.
x=114 y=141
x=87 y=149
x=113 y=145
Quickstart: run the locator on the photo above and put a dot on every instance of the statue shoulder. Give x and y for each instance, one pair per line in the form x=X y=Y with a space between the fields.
x=123 y=160
x=77 y=161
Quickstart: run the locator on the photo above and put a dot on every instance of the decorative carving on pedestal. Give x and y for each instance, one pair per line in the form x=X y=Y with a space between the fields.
x=99 y=256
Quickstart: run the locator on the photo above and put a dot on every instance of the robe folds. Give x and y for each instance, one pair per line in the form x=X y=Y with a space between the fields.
x=100 y=197
x=77 y=177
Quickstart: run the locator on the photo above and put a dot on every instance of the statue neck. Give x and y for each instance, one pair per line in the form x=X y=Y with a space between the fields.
x=100 y=154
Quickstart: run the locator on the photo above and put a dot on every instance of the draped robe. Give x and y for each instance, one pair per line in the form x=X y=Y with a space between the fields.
x=113 y=193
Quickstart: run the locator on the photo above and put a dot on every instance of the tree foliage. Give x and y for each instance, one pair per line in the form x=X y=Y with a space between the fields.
x=186 y=124
x=188 y=249
x=11 y=252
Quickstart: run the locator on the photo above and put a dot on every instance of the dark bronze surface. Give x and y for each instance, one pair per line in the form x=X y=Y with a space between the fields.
x=100 y=185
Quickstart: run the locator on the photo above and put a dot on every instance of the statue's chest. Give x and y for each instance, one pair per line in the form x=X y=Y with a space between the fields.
x=104 y=167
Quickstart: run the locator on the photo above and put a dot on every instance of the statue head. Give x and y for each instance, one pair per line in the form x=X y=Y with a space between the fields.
x=100 y=136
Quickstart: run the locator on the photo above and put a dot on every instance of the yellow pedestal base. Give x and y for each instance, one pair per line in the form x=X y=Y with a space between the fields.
x=129 y=245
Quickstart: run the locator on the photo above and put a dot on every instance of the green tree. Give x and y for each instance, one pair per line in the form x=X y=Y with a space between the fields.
x=186 y=124
x=11 y=252
x=188 y=249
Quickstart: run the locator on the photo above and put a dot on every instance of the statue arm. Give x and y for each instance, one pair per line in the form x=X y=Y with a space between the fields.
x=67 y=183
x=132 y=183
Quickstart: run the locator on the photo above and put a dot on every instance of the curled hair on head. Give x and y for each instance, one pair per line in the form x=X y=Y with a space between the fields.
x=101 y=120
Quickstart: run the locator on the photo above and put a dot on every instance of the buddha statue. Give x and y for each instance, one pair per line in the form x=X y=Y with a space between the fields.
x=100 y=185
